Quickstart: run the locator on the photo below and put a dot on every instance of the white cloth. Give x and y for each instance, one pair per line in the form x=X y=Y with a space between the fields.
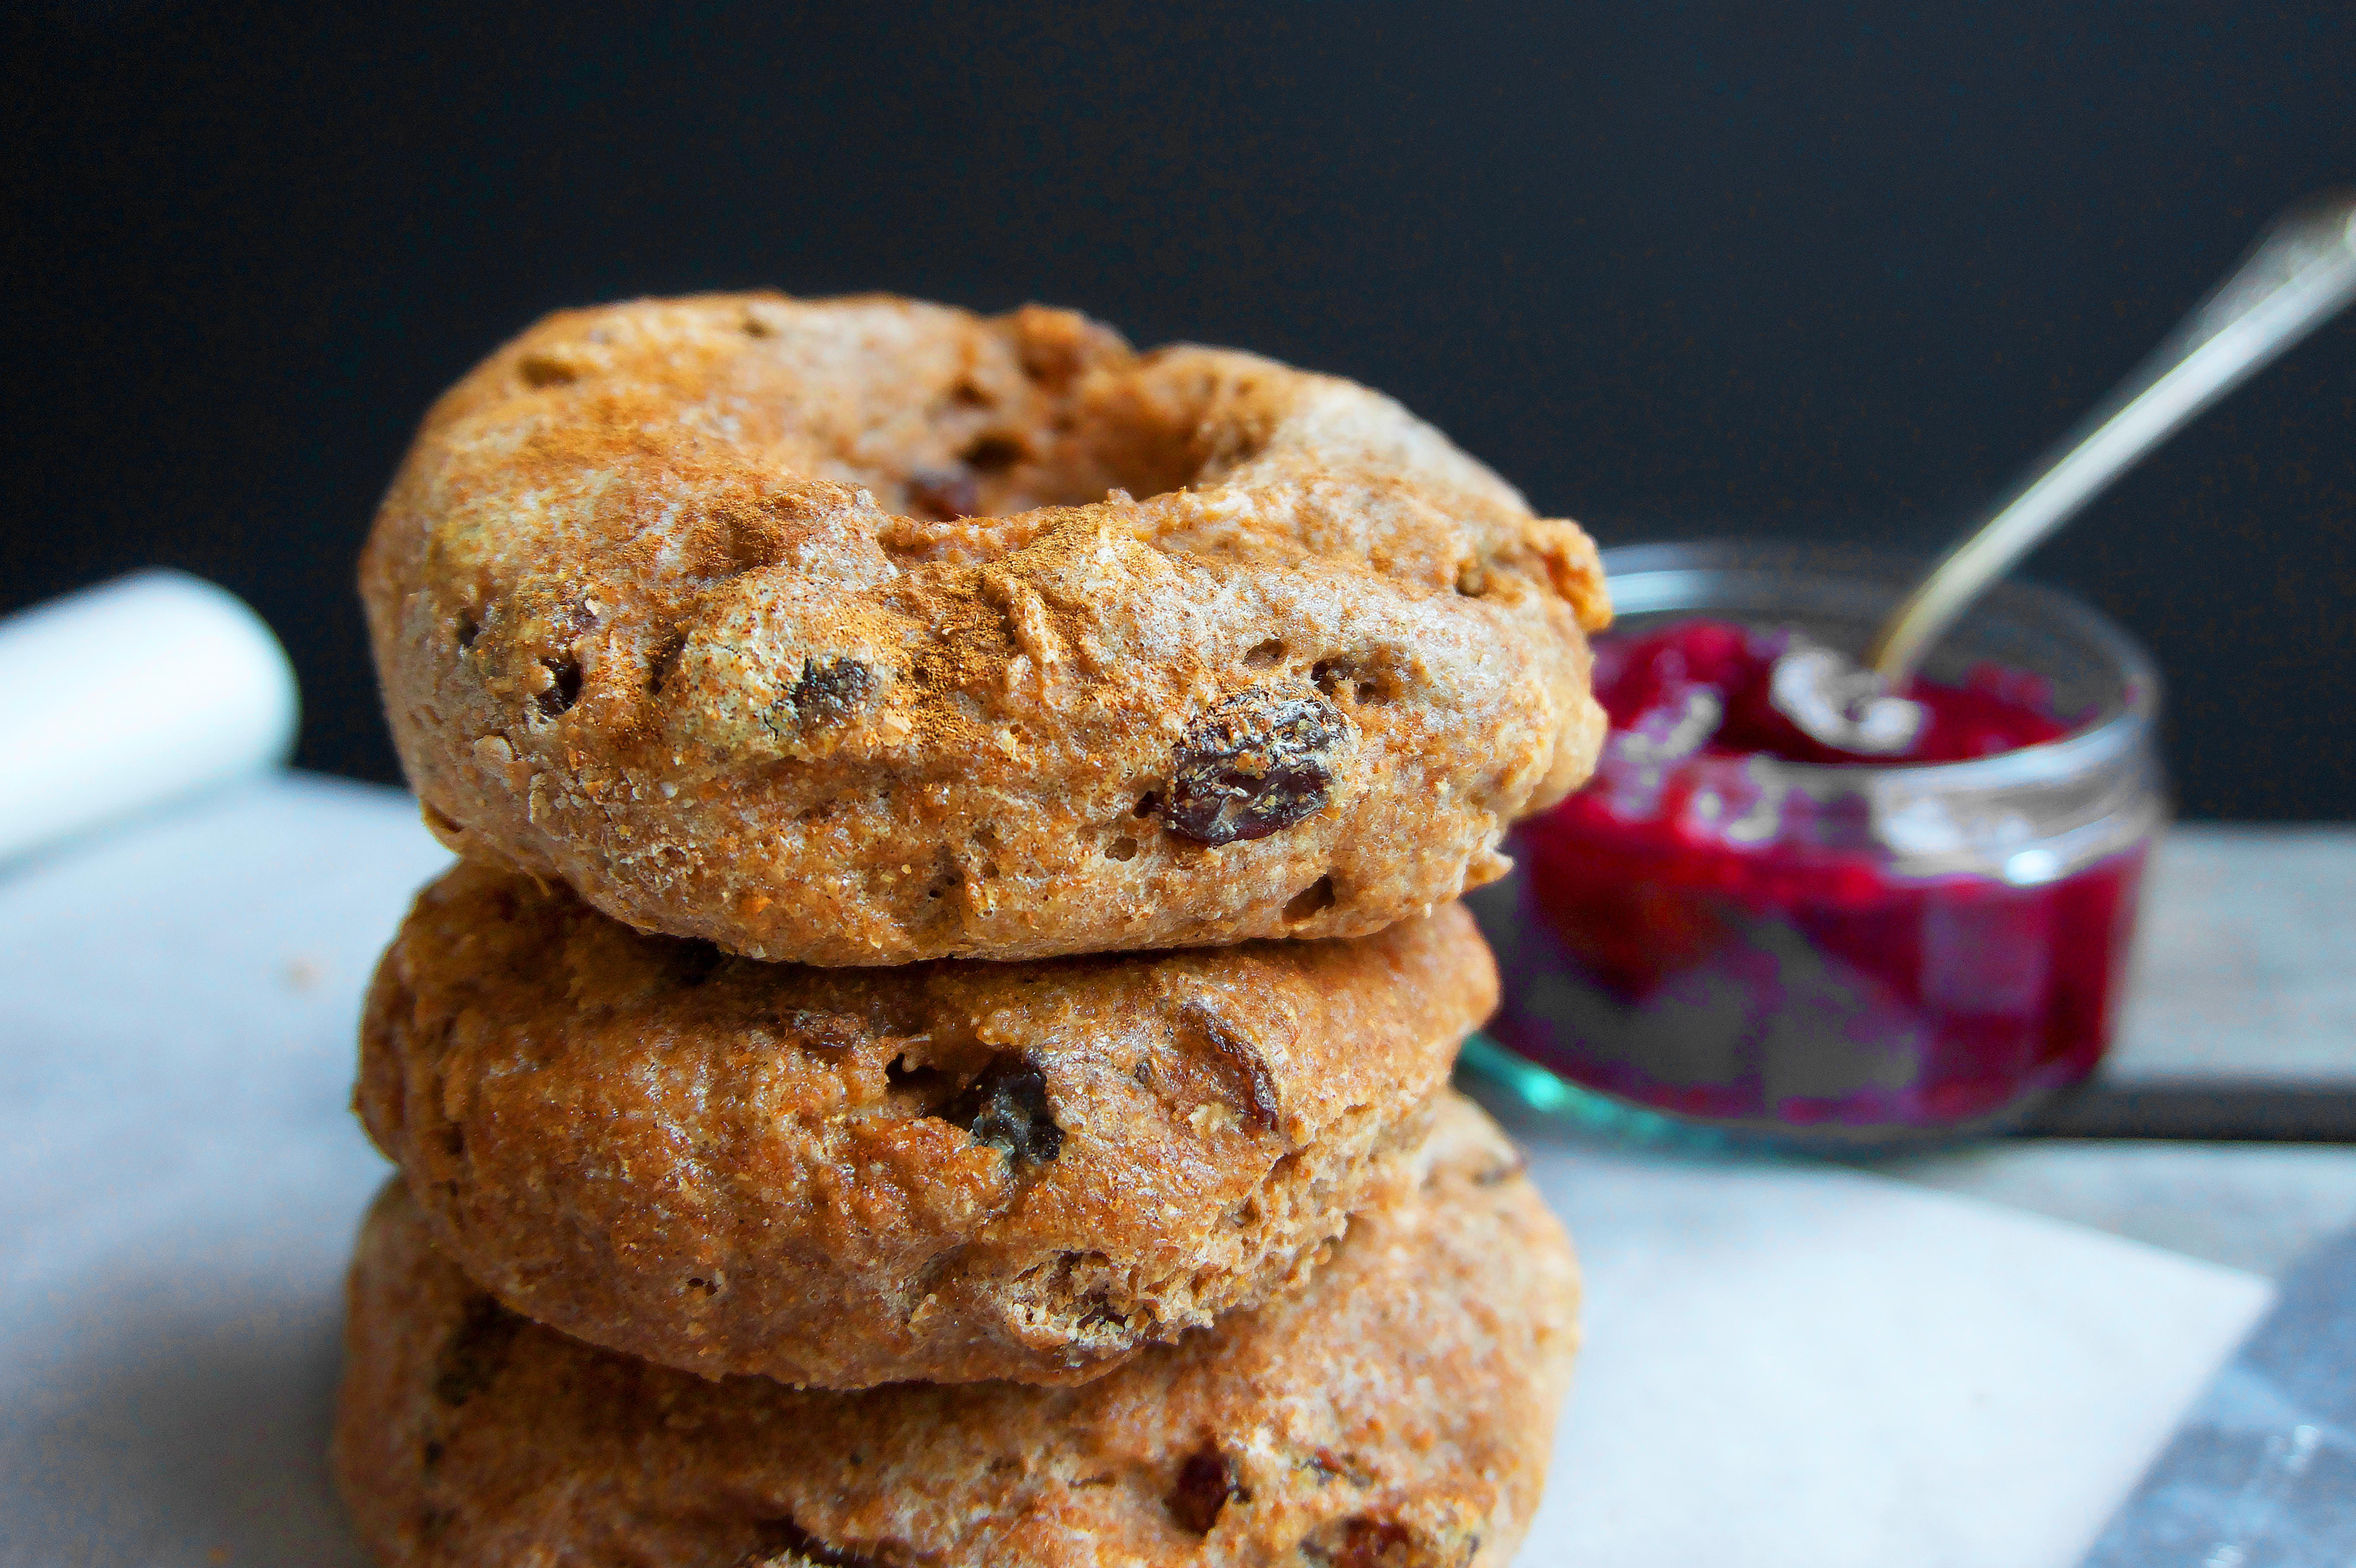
x=133 y=693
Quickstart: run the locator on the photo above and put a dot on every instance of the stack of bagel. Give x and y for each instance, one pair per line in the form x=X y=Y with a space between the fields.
x=935 y=1049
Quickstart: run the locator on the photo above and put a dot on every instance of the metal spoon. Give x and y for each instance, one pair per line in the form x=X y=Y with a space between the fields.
x=2298 y=274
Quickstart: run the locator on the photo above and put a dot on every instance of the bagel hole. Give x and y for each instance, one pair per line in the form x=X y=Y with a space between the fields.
x=1311 y=900
x=1266 y=655
x=1122 y=848
x=1146 y=804
x=1059 y=437
x=466 y=630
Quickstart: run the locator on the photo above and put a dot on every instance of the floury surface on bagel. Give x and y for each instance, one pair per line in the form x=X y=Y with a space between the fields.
x=1397 y=1414
x=953 y=1171
x=864 y=630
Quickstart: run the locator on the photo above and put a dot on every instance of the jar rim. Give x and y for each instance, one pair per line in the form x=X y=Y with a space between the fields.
x=2106 y=741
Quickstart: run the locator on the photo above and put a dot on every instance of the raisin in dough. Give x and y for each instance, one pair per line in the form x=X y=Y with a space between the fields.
x=863 y=631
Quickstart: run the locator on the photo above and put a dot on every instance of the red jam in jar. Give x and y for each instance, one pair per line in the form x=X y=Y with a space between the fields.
x=1734 y=923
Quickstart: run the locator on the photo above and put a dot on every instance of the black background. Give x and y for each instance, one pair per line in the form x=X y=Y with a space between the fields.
x=1673 y=269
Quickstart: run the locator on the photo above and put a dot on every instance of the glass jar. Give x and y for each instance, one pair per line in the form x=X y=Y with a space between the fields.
x=1837 y=955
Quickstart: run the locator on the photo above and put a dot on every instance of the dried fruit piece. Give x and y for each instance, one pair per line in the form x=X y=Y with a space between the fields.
x=831 y=691
x=1205 y=1481
x=994 y=453
x=1374 y=1544
x=1240 y=1063
x=1255 y=763
x=1007 y=1105
x=943 y=494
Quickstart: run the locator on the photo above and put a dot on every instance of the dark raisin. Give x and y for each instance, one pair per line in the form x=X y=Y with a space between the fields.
x=564 y=688
x=1007 y=1105
x=994 y=453
x=546 y=370
x=467 y=629
x=784 y=1544
x=1369 y=1543
x=942 y=493
x=831 y=691
x=1205 y=1481
x=476 y=1350
x=1258 y=763
x=1240 y=1063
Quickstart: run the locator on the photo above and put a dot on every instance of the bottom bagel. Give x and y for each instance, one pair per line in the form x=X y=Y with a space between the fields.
x=1396 y=1413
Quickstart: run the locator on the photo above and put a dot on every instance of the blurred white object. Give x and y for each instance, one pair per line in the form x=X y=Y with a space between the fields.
x=131 y=694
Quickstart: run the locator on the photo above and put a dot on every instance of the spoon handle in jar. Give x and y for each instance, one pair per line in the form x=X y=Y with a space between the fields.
x=2300 y=274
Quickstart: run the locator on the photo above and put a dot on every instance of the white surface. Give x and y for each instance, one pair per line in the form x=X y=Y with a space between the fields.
x=132 y=693
x=2249 y=1206
x=2245 y=956
x=1803 y=1365
x=1787 y=1365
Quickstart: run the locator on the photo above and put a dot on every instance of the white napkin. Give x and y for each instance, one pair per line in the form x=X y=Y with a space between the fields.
x=134 y=692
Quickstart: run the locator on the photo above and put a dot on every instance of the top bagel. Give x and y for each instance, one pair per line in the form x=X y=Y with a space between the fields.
x=865 y=631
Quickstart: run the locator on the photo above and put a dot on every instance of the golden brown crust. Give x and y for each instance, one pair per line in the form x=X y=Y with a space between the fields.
x=736 y=1167
x=1396 y=1414
x=669 y=601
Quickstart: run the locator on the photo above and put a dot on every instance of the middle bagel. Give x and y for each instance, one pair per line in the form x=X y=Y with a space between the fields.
x=951 y=1171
